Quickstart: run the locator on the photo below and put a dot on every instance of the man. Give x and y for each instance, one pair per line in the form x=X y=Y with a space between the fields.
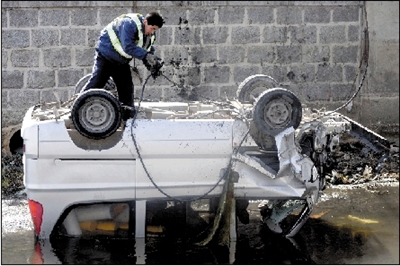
x=126 y=37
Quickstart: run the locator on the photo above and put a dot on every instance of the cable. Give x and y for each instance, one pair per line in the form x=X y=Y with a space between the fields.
x=365 y=58
x=224 y=176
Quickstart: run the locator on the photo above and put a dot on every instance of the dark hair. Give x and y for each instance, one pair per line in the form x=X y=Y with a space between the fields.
x=154 y=19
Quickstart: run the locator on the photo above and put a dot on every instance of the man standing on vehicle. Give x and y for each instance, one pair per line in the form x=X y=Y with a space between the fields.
x=128 y=36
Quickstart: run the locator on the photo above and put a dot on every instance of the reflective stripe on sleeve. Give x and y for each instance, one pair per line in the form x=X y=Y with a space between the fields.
x=115 y=42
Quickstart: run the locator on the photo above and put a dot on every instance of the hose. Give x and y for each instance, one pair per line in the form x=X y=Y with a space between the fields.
x=224 y=176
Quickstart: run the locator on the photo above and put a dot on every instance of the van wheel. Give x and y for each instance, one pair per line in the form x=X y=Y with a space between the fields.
x=96 y=114
x=110 y=85
x=251 y=88
x=276 y=110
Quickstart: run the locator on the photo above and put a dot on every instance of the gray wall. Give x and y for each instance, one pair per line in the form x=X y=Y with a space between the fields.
x=314 y=48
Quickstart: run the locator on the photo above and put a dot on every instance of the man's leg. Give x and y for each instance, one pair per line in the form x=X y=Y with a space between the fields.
x=123 y=80
x=100 y=74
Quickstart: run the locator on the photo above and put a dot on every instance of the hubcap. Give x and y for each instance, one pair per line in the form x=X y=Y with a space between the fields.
x=277 y=113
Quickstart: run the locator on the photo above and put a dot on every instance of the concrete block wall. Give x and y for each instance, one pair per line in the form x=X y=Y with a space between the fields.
x=313 y=48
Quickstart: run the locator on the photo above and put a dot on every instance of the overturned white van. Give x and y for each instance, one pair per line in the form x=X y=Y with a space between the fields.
x=86 y=171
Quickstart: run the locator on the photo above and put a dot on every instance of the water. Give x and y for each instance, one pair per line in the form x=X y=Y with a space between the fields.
x=348 y=226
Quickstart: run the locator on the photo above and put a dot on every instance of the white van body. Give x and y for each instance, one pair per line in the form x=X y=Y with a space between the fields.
x=172 y=151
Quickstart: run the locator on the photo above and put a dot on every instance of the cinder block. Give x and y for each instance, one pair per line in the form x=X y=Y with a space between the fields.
x=229 y=15
x=84 y=57
x=22 y=98
x=164 y=36
x=93 y=36
x=345 y=14
x=45 y=38
x=261 y=54
x=285 y=15
x=187 y=36
x=23 y=18
x=315 y=53
x=249 y=34
x=215 y=35
x=4 y=59
x=69 y=77
x=345 y=54
x=201 y=16
x=328 y=73
x=277 y=72
x=275 y=34
x=201 y=55
x=4 y=17
x=303 y=34
x=231 y=54
x=260 y=15
x=332 y=34
x=216 y=74
x=57 y=57
x=353 y=33
x=40 y=79
x=14 y=38
x=194 y=76
x=350 y=72
x=24 y=58
x=12 y=79
x=317 y=15
x=107 y=15
x=84 y=17
x=73 y=37
x=303 y=73
x=288 y=54
x=54 y=17
x=240 y=73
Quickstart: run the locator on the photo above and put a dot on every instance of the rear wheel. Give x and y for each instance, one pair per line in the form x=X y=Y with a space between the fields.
x=251 y=88
x=276 y=110
x=110 y=85
x=96 y=114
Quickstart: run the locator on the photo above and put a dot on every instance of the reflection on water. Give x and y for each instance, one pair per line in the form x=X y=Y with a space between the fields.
x=339 y=232
x=318 y=243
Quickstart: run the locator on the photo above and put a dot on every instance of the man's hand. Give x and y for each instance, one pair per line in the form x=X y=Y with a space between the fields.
x=151 y=59
x=153 y=64
x=155 y=70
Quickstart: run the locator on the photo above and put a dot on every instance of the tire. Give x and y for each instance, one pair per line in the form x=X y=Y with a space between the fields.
x=253 y=86
x=96 y=114
x=110 y=85
x=276 y=110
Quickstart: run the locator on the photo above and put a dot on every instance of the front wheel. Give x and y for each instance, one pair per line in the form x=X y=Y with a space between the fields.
x=96 y=114
x=276 y=110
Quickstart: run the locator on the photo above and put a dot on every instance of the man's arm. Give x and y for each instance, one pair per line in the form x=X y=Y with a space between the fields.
x=127 y=36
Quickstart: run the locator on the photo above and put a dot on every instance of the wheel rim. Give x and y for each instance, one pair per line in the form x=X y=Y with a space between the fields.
x=96 y=115
x=277 y=113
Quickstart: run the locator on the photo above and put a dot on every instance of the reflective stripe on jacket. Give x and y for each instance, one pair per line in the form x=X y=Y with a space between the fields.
x=110 y=43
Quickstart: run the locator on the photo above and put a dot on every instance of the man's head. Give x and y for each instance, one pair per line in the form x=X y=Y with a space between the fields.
x=152 y=22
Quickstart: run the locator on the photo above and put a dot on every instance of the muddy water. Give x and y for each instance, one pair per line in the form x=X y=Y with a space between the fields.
x=350 y=225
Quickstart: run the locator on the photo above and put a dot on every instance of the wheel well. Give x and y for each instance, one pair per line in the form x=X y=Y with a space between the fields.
x=16 y=143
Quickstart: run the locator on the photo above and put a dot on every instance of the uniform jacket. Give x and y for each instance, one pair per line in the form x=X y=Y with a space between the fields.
x=126 y=31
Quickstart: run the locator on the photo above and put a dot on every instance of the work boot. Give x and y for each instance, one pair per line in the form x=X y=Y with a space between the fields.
x=127 y=114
